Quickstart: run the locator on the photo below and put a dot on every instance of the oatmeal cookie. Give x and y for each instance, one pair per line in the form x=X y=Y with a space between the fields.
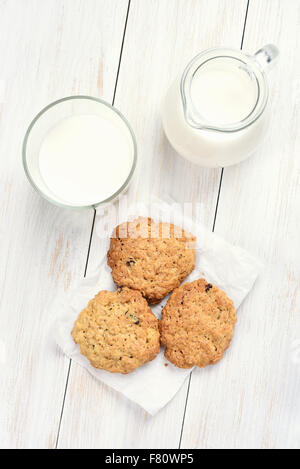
x=151 y=257
x=197 y=324
x=117 y=331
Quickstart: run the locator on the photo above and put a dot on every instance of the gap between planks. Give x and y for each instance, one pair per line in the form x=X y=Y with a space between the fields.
x=213 y=229
x=93 y=223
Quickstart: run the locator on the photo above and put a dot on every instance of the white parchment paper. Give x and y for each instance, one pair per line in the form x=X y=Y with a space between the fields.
x=152 y=386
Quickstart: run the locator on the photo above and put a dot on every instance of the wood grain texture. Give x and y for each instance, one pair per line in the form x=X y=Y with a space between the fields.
x=161 y=37
x=251 y=399
x=48 y=50
x=55 y=48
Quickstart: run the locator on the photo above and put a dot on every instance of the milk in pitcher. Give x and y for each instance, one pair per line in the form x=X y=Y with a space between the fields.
x=215 y=113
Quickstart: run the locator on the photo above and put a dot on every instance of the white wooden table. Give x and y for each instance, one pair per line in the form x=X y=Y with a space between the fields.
x=128 y=53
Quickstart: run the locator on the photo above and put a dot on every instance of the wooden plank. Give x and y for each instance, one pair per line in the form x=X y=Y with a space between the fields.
x=161 y=36
x=251 y=399
x=48 y=50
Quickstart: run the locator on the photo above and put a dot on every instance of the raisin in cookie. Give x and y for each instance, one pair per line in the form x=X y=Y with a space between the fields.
x=117 y=331
x=153 y=258
x=197 y=324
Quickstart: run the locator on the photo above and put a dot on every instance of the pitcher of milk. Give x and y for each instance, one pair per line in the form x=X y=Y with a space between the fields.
x=215 y=114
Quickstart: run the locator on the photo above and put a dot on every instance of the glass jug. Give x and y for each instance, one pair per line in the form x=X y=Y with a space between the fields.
x=215 y=113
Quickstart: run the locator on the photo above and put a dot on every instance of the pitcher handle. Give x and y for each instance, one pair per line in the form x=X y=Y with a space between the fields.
x=266 y=56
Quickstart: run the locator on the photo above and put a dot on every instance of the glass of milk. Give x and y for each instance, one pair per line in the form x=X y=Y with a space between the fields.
x=79 y=152
x=215 y=114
